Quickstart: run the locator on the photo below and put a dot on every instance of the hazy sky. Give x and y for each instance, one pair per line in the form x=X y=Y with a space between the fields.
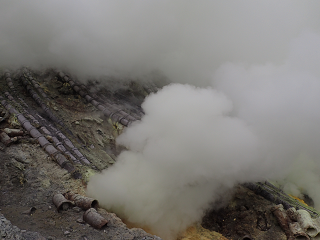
x=185 y=40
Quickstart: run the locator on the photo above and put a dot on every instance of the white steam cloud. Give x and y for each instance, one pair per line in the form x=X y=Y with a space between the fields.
x=184 y=40
x=183 y=155
x=259 y=119
x=194 y=144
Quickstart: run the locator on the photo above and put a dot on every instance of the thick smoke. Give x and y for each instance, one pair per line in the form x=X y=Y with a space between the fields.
x=194 y=144
x=280 y=103
x=184 y=40
x=259 y=121
x=184 y=154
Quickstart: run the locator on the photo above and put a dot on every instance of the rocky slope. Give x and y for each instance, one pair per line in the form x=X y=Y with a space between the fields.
x=56 y=132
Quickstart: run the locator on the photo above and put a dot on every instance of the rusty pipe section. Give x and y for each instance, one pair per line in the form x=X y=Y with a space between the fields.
x=44 y=143
x=38 y=88
x=61 y=202
x=297 y=231
x=24 y=111
x=13 y=132
x=283 y=220
x=81 y=201
x=24 y=79
x=94 y=219
x=308 y=224
x=8 y=79
x=67 y=142
x=6 y=140
x=115 y=114
x=297 y=224
x=59 y=145
x=48 y=134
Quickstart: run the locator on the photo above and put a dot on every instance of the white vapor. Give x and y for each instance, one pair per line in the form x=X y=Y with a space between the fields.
x=256 y=117
x=280 y=102
x=184 y=40
x=194 y=144
x=184 y=154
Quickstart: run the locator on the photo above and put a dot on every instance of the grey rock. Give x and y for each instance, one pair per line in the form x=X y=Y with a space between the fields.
x=11 y=232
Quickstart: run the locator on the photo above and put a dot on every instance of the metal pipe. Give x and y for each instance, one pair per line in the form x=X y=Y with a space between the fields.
x=292 y=213
x=95 y=220
x=61 y=202
x=116 y=115
x=308 y=224
x=50 y=149
x=298 y=232
x=13 y=132
x=6 y=140
x=283 y=220
x=81 y=201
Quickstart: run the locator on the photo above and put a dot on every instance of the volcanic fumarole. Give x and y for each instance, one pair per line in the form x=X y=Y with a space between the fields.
x=242 y=105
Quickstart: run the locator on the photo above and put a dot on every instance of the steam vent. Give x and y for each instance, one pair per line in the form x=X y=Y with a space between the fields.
x=57 y=132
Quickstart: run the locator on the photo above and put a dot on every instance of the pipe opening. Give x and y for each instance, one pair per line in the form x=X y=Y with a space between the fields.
x=311 y=231
x=64 y=206
x=95 y=204
x=94 y=219
x=61 y=202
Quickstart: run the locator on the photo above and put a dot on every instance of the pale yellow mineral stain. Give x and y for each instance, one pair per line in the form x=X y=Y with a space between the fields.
x=200 y=233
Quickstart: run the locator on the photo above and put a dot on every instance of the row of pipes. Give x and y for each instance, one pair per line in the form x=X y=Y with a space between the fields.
x=115 y=114
x=44 y=143
x=297 y=224
x=277 y=196
x=66 y=142
x=9 y=136
x=25 y=78
x=57 y=151
x=91 y=216
x=45 y=138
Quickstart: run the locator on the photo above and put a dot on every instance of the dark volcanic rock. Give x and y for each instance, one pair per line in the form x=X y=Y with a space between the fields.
x=246 y=214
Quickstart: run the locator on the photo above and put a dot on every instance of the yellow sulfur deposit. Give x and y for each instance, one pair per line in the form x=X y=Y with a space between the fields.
x=300 y=200
x=200 y=233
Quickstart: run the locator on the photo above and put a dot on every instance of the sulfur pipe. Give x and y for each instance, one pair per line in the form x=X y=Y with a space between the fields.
x=5 y=139
x=36 y=134
x=13 y=132
x=50 y=149
x=38 y=100
x=68 y=144
x=95 y=220
x=116 y=115
x=61 y=202
x=81 y=201
x=308 y=224
x=298 y=232
x=59 y=145
x=292 y=214
x=283 y=220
